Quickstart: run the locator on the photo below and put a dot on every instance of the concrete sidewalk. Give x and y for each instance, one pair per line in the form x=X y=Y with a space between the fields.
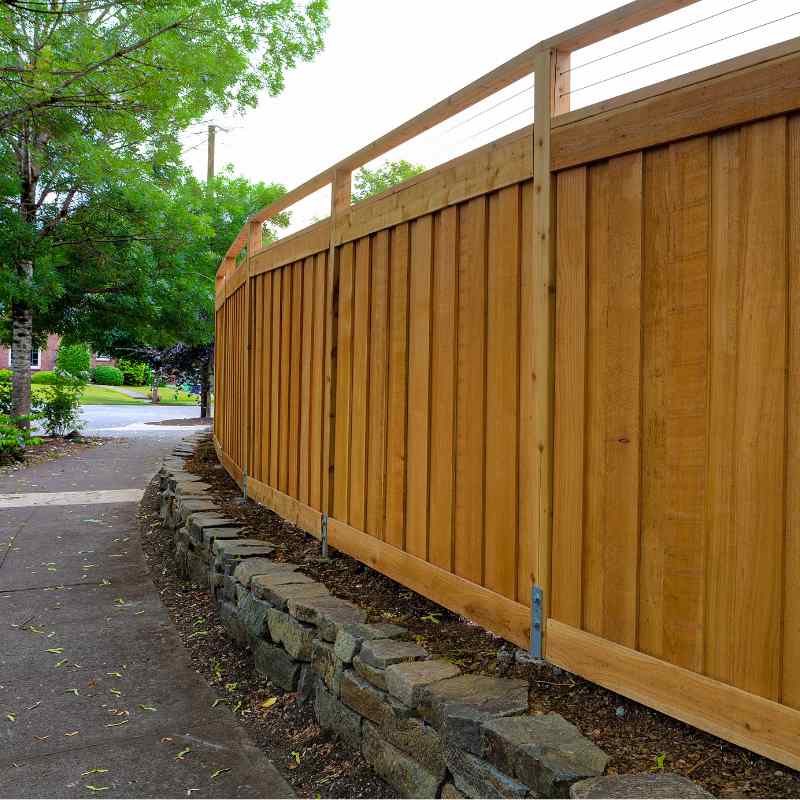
x=97 y=697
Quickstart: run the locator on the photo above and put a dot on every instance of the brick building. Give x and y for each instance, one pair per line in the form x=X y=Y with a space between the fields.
x=45 y=359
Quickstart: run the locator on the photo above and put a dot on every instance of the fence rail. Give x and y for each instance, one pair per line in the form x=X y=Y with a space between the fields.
x=569 y=360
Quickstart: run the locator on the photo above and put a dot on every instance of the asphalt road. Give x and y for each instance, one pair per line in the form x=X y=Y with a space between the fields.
x=132 y=420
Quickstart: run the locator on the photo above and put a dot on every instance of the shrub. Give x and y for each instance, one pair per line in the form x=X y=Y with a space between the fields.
x=59 y=406
x=74 y=359
x=46 y=377
x=13 y=440
x=108 y=376
x=135 y=373
x=5 y=376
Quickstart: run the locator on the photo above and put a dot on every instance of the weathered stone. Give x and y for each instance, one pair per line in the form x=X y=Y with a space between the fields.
x=197 y=569
x=176 y=476
x=182 y=507
x=377 y=677
x=229 y=588
x=351 y=636
x=491 y=697
x=382 y=653
x=279 y=593
x=181 y=560
x=326 y=665
x=252 y=613
x=650 y=786
x=248 y=569
x=396 y=768
x=326 y=612
x=203 y=520
x=478 y=778
x=186 y=488
x=272 y=661
x=229 y=617
x=449 y=792
x=306 y=682
x=210 y=535
x=228 y=554
x=293 y=635
x=364 y=698
x=407 y=681
x=413 y=736
x=546 y=752
x=280 y=575
x=334 y=716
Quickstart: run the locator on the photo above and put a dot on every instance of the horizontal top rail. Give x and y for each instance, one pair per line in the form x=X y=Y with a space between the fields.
x=587 y=33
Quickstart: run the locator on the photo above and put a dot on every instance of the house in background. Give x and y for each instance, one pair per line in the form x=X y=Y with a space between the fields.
x=45 y=359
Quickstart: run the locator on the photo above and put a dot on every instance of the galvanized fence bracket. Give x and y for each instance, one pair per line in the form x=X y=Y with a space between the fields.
x=536 y=621
x=244 y=484
x=324 y=535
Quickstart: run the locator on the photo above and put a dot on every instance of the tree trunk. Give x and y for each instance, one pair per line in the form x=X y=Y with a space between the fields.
x=21 y=340
x=205 y=387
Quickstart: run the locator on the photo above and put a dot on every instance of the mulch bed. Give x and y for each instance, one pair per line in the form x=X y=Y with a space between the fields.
x=636 y=738
x=311 y=761
x=51 y=448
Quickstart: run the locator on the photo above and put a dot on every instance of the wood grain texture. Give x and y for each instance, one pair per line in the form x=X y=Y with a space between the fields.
x=419 y=376
x=304 y=446
x=443 y=386
x=295 y=371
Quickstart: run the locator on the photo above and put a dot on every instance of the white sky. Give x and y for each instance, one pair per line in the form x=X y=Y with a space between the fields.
x=387 y=60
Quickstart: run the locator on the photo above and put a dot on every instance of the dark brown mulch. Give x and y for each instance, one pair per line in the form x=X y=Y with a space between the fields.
x=52 y=447
x=184 y=421
x=636 y=738
x=312 y=761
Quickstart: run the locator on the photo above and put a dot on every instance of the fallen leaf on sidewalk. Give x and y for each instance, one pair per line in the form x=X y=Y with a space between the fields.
x=11 y=716
x=94 y=788
x=35 y=705
x=184 y=752
x=55 y=650
x=147 y=708
x=62 y=662
x=269 y=702
x=217 y=772
x=72 y=691
x=41 y=738
x=73 y=733
x=114 y=674
x=94 y=771
x=116 y=692
x=116 y=724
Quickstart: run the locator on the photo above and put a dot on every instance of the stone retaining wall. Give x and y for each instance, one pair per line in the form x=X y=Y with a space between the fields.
x=424 y=728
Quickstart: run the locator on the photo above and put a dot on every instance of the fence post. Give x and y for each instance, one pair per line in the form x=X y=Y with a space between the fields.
x=341 y=187
x=254 y=240
x=551 y=96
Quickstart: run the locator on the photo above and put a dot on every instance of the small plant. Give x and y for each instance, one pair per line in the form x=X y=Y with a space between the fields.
x=107 y=376
x=5 y=376
x=45 y=377
x=59 y=405
x=135 y=373
x=13 y=440
x=74 y=359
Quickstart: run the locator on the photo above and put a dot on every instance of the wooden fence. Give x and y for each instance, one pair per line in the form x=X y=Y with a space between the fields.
x=568 y=360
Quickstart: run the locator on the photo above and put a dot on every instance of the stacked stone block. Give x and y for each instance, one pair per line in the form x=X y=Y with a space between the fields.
x=425 y=728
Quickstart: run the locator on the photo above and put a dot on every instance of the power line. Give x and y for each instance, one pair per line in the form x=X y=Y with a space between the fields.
x=681 y=53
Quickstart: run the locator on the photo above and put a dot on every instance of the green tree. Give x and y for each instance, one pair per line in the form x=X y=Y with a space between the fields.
x=368 y=182
x=93 y=97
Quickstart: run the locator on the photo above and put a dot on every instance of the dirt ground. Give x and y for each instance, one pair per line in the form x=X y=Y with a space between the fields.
x=636 y=738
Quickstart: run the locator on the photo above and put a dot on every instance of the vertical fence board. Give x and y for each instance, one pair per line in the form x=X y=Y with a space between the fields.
x=760 y=413
x=790 y=677
x=724 y=287
x=305 y=380
x=470 y=391
x=419 y=376
x=378 y=377
x=443 y=362
x=570 y=380
x=294 y=377
x=275 y=378
x=361 y=384
x=501 y=481
x=344 y=380
x=286 y=377
x=398 y=387
x=528 y=550
x=317 y=382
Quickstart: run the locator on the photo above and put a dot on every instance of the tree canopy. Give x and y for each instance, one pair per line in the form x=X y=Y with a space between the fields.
x=368 y=182
x=94 y=95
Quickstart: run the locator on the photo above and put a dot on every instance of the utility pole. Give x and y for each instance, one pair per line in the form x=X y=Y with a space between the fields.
x=205 y=371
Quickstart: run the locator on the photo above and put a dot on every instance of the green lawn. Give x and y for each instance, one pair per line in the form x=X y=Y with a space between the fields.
x=96 y=395
x=169 y=395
